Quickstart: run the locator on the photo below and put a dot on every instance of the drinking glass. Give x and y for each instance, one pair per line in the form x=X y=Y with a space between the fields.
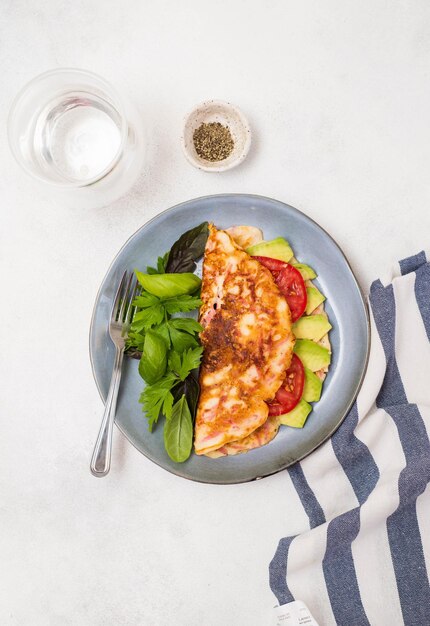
x=71 y=129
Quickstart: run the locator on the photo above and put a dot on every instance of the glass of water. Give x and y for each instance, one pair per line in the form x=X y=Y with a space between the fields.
x=70 y=128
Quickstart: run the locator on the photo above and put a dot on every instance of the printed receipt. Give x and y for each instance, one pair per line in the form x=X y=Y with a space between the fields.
x=293 y=614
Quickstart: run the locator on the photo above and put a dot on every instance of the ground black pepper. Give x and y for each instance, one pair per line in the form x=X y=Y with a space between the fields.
x=213 y=141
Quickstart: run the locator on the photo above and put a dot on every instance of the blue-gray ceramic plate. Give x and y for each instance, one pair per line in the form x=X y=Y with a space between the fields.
x=345 y=306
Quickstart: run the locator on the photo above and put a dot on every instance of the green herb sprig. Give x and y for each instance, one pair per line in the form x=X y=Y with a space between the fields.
x=169 y=346
x=156 y=313
x=157 y=398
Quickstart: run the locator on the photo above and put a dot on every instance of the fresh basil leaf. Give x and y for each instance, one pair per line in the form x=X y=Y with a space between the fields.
x=178 y=432
x=153 y=363
x=163 y=330
x=181 y=304
x=169 y=285
x=157 y=399
x=181 y=341
x=190 y=387
x=186 y=324
x=188 y=249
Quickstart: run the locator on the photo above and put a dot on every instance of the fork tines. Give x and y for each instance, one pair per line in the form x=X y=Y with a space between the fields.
x=122 y=307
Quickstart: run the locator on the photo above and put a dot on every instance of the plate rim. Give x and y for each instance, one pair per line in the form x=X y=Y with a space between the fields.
x=357 y=284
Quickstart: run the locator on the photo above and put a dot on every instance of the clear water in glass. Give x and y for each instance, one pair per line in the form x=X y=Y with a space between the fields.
x=78 y=135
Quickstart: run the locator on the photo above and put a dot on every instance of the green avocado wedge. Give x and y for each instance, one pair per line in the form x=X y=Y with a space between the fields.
x=298 y=416
x=305 y=270
x=311 y=327
x=313 y=387
x=312 y=355
x=315 y=298
x=277 y=248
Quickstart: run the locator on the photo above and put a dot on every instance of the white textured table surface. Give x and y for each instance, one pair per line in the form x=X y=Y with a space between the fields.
x=338 y=96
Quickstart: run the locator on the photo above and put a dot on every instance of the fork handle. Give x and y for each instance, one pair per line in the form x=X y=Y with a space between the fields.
x=100 y=462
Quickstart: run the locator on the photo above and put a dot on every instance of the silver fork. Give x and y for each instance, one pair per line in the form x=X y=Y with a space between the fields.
x=120 y=319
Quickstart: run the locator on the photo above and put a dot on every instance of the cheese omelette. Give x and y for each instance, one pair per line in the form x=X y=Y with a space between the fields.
x=248 y=344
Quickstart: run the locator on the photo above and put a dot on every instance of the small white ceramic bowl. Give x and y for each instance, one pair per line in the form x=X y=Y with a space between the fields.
x=227 y=115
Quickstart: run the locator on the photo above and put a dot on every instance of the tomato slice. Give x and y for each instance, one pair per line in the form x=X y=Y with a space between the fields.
x=290 y=283
x=274 y=265
x=289 y=394
x=292 y=286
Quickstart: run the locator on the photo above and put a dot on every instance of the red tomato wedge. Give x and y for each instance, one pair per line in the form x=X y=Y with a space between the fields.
x=289 y=394
x=274 y=265
x=290 y=284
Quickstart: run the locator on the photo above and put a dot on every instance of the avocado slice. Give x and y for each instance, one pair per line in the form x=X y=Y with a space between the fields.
x=312 y=388
x=312 y=355
x=277 y=248
x=298 y=416
x=315 y=298
x=305 y=270
x=311 y=327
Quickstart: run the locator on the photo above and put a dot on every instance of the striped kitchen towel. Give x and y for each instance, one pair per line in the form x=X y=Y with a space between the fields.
x=363 y=555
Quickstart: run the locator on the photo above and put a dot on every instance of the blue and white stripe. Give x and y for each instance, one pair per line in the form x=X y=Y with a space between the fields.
x=364 y=557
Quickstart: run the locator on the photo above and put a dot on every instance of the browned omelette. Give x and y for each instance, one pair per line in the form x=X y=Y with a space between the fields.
x=248 y=344
x=262 y=435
